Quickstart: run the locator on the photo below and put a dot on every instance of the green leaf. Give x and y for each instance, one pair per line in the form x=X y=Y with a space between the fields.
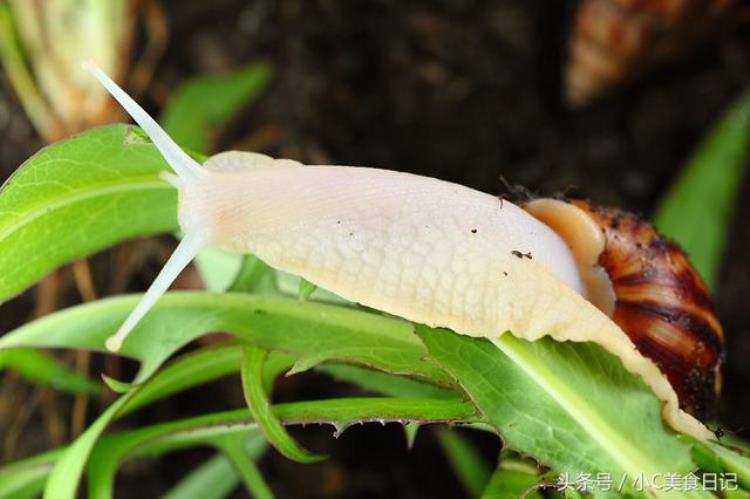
x=77 y=197
x=471 y=469
x=26 y=478
x=254 y=276
x=734 y=442
x=218 y=268
x=291 y=285
x=65 y=475
x=257 y=400
x=718 y=458
x=698 y=208
x=386 y=384
x=216 y=478
x=562 y=403
x=325 y=331
x=512 y=484
x=117 y=386
x=516 y=476
x=187 y=371
x=40 y=368
x=306 y=288
x=205 y=102
x=243 y=462
x=571 y=493
x=344 y=412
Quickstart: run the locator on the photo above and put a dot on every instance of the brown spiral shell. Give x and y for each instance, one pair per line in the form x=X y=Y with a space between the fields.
x=612 y=39
x=663 y=305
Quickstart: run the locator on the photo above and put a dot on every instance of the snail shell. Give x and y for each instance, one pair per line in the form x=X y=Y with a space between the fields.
x=650 y=289
x=612 y=39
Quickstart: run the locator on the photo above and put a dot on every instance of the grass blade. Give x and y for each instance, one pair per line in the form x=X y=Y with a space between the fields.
x=697 y=210
x=42 y=369
x=512 y=484
x=472 y=470
x=26 y=478
x=204 y=103
x=718 y=458
x=214 y=479
x=235 y=451
x=65 y=475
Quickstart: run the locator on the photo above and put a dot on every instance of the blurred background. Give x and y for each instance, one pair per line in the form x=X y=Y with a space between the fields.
x=483 y=93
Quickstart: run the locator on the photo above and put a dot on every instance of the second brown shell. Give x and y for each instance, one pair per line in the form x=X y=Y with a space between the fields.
x=613 y=39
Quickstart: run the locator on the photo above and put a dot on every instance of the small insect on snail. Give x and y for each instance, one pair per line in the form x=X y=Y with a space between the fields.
x=428 y=251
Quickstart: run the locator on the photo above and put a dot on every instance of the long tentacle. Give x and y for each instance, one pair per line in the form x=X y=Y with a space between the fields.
x=190 y=245
x=185 y=166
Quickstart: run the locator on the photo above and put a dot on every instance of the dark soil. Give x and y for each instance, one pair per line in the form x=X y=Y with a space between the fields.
x=468 y=91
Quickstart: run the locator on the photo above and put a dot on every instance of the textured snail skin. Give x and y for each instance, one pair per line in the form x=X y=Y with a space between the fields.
x=663 y=305
x=613 y=39
x=650 y=290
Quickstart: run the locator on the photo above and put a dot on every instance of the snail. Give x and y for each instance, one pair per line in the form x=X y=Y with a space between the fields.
x=613 y=39
x=416 y=247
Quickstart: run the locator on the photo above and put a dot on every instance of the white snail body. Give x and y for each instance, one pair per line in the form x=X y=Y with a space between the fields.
x=423 y=249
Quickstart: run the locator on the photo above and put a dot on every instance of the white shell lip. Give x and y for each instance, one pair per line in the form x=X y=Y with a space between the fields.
x=586 y=241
